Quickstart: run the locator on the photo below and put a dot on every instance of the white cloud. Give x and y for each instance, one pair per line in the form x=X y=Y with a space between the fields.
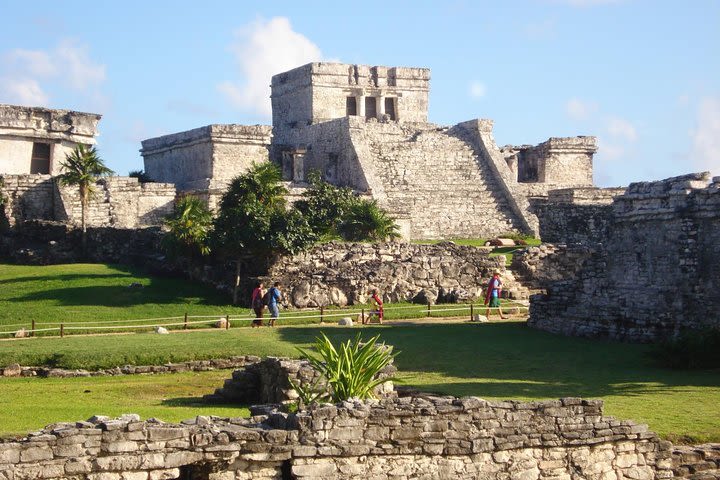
x=610 y=150
x=79 y=71
x=706 y=137
x=263 y=49
x=580 y=110
x=621 y=129
x=25 y=74
x=477 y=90
x=22 y=91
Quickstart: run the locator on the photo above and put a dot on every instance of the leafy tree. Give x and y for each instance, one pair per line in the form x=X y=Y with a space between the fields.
x=82 y=168
x=365 y=220
x=253 y=221
x=351 y=370
x=141 y=176
x=325 y=205
x=189 y=226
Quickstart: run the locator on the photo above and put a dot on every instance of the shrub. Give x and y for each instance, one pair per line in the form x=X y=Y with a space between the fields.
x=351 y=371
x=696 y=349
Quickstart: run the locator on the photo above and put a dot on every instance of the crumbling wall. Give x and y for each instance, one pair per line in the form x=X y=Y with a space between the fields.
x=656 y=274
x=401 y=438
x=342 y=273
x=121 y=202
x=576 y=215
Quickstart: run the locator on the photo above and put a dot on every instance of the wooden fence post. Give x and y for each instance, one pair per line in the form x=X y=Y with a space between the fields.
x=362 y=316
x=62 y=330
x=185 y=326
x=428 y=312
x=227 y=322
x=471 y=312
x=322 y=311
x=32 y=330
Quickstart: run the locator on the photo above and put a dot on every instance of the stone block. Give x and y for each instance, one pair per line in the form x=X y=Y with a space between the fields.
x=35 y=454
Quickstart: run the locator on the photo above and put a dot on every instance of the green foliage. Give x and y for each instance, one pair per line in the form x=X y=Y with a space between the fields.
x=325 y=205
x=141 y=176
x=336 y=212
x=189 y=226
x=351 y=370
x=253 y=219
x=82 y=167
x=693 y=350
x=365 y=220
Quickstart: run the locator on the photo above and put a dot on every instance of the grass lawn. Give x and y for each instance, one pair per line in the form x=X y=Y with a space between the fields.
x=90 y=292
x=495 y=361
x=93 y=293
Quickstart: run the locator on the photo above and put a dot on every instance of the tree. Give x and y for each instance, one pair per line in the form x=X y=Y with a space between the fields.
x=141 y=176
x=325 y=205
x=367 y=221
x=189 y=226
x=82 y=168
x=253 y=221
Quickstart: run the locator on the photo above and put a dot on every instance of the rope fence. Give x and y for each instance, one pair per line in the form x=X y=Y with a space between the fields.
x=224 y=321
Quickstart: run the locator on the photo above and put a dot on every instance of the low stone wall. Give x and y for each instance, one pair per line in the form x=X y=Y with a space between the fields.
x=121 y=202
x=16 y=370
x=271 y=382
x=342 y=273
x=697 y=462
x=403 y=438
x=656 y=274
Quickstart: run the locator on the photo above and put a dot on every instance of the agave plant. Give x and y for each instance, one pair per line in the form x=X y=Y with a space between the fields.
x=367 y=221
x=351 y=370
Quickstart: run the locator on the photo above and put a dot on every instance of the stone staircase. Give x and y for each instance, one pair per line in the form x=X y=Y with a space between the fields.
x=439 y=182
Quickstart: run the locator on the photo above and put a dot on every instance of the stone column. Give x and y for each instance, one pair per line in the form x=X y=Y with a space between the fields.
x=381 y=106
x=361 y=106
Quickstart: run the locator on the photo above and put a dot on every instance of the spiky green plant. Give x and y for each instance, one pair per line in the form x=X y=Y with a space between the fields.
x=351 y=370
x=189 y=226
x=365 y=220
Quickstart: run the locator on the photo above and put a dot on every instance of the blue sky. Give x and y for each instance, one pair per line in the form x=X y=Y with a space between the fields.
x=643 y=76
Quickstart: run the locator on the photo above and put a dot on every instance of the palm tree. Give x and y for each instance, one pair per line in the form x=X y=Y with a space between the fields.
x=367 y=221
x=189 y=226
x=82 y=168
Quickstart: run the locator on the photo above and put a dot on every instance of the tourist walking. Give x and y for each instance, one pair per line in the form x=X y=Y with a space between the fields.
x=492 y=295
x=377 y=312
x=256 y=303
x=275 y=297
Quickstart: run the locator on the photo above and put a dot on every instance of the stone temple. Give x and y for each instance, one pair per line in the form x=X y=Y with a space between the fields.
x=366 y=127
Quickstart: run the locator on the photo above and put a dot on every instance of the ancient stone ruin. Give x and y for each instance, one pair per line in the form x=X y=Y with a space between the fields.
x=367 y=128
x=650 y=267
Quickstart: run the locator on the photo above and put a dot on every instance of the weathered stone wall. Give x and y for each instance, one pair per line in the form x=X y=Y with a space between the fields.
x=540 y=266
x=206 y=157
x=62 y=130
x=318 y=92
x=121 y=202
x=271 y=381
x=405 y=438
x=657 y=273
x=576 y=215
x=342 y=273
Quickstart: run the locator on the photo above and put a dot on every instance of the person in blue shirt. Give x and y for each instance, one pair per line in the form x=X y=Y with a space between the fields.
x=276 y=297
x=492 y=296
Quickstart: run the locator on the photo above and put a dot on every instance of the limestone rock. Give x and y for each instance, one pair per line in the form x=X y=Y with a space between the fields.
x=221 y=323
x=13 y=370
x=22 y=333
x=161 y=330
x=345 y=322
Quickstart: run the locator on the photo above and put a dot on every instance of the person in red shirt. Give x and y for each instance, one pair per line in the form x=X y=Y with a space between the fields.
x=256 y=303
x=378 y=312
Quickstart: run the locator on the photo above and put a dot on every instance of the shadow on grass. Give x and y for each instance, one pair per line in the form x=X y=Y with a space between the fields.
x=123 y=295
x=509 y=359
x=197 y=402
x=65 y=277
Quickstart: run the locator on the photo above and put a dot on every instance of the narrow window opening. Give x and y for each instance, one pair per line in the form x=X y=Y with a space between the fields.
x=390 y=108
x=370 y=107
x=40 y=159
x=351 y=105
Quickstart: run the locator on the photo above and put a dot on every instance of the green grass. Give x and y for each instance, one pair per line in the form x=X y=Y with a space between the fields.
x=496 y=251
x=495 y=361
x=30 y=403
